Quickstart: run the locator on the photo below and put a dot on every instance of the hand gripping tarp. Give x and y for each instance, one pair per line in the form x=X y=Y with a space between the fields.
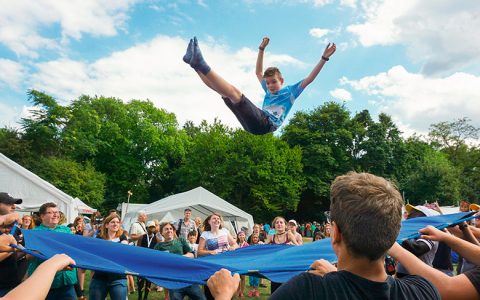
x=275 y=262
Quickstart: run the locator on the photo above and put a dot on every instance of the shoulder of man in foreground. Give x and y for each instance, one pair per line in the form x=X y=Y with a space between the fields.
x=345 y=285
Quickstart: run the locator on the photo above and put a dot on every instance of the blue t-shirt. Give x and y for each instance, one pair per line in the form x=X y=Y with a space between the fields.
x=278 y=105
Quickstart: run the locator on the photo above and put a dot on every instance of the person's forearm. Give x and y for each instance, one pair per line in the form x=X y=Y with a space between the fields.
x=313 y=74
x=259 y=65
x=415 y=266
x=467 y=250
x=475 y=231
x=4 y=255
x=40 y=282
x=135 y=237
x=468 y=235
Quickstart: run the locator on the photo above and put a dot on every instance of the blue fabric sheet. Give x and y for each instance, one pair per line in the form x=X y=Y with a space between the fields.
x=276 y=262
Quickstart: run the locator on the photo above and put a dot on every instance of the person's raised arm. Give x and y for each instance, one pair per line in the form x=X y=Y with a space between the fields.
x=5 y=249
x=466 y=249
x=259 y=65
x=457 y=287
x=329 y=50
x=9 y=218
x=232 y=243
x=292 y=238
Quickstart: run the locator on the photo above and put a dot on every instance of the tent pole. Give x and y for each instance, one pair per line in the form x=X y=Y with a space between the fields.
x=129 y=193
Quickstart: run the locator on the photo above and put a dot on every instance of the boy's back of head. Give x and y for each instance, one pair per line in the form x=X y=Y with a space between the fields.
x=368 y=211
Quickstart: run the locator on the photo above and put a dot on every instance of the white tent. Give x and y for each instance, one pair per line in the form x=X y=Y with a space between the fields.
x=201 y=202
x=21 y=183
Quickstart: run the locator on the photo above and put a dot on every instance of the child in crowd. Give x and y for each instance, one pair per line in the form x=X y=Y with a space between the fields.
x=278 y=99
x=192 y=242
x=254 y=281
x=318 y=236
x=241 y=242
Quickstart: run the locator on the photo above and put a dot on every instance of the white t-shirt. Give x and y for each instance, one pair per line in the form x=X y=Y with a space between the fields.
x=138 y=228
x=217 y=242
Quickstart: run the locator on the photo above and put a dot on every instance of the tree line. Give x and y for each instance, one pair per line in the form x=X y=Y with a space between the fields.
x=99 y=148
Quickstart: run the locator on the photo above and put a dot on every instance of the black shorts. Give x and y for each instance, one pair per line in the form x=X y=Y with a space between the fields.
x=252 y=118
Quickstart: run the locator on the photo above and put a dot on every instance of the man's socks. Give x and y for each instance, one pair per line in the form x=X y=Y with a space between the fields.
x=188 y=56
x=197 y=62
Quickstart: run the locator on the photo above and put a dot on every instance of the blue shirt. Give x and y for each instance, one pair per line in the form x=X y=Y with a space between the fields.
x=278 y=105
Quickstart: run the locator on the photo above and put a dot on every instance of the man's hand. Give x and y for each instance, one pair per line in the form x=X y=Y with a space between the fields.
x=9 y=218
x=321 y=267
x=223 y=285
x=329 y=50
x=61 y=262
x=264 y=43
x=432 y=233
x=5 y=241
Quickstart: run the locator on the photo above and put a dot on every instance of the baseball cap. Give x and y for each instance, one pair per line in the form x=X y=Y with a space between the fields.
x=293 y=222
x=474 y=207
x=425 y=210
x=8 y=199
x=150 y=224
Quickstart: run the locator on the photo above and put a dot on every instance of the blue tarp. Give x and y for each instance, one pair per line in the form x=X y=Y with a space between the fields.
x=275 y=262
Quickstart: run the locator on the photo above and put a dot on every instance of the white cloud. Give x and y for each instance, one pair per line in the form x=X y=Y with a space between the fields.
x=155 y=71
x=321 y=2
x=349 y=3
x=341 y=94
x=417 y=101
x=21 y=22
x=443 y=35
x=12 y=73
x=318 y=32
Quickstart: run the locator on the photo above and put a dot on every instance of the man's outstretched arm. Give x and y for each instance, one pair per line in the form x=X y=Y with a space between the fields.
x=329 y=50
x=259 y=65
x=456 y=287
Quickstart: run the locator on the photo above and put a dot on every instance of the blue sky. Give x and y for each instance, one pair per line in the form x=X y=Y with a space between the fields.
x=416 y=60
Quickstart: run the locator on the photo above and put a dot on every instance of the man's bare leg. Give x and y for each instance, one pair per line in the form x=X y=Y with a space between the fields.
x=221 y=86
x=214 y=81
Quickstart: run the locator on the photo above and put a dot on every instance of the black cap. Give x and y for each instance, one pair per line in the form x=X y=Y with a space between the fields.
x=7 y=199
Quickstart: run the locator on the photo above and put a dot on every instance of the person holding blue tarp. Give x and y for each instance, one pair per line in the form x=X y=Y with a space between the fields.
x=215 y=239
x=104 y=283
x=180 y=246
x=64 y=281
x=463 y=286
x=359 y=203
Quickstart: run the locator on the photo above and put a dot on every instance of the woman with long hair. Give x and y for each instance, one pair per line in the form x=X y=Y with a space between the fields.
x=79 y=229
x=215 y=239
x=107 y=283
x=281 y=236
x=27 y=222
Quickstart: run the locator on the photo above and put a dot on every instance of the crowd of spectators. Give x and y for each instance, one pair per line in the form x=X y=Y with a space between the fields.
x=422 y=268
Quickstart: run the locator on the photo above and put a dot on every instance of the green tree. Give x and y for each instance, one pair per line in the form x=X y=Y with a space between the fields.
x=431 y=177
x=43 y=129
x=260 y=174
x=75 y=179
x=136 y=144
x=452 y=139
x=325 y=137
